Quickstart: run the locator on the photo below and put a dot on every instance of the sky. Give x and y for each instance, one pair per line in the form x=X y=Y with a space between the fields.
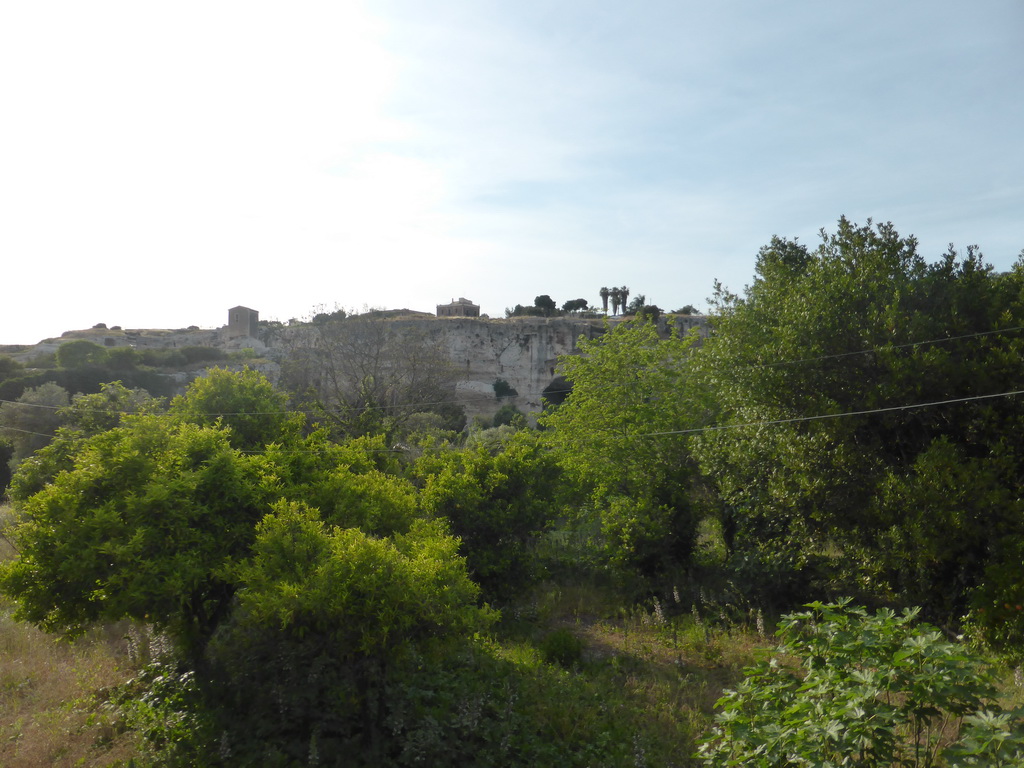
x=163 y=162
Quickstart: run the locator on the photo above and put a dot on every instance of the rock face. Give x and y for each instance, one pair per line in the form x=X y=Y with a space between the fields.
x=521 y=352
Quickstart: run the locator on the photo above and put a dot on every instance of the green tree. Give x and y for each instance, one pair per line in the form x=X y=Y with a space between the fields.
x=87 y=415
x=509 y=415
x=149 y=516
x=91 y=414
x=290 y=577
x=497 y=503
x=356 y=484
x=575 y=305
x=640 y=308
x=545 y=304
x=81 y=354
x=122 y=358
x=9 y=367
x=325 y=615
x=619 y=435
x=141 y=527
x=650 y=312
x=503 y=389
x=245 y=402
x=638 y=302
x=520 y=311
x=827 y=454
x=29 y=423
x=140 y=520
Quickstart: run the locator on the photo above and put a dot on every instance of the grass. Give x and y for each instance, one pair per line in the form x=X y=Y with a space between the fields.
x=660 y=676
x=52 y=699
x=53 y=694
x=656 y=686
x=654 y=681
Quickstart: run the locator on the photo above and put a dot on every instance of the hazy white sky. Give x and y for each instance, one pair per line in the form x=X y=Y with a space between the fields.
x=162 y=162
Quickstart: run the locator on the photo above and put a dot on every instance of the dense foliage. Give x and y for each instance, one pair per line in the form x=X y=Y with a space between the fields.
x=868 y=438
x=872 y=691
x=620 y=435
x=176 y=519
x=498 y=503
x=327 y=560
x=28 y=423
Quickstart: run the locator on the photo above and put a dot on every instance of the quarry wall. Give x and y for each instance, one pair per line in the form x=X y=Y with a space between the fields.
x=523 y=351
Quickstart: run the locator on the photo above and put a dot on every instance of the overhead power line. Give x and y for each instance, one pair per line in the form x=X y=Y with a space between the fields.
x=822 y=417
x=887 y=347
x=24 y=431
x=745 y=425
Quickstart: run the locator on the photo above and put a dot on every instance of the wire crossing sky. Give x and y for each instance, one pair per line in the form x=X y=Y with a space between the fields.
x=160 y=163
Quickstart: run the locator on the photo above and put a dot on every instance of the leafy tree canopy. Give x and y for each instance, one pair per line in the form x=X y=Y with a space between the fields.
x=829 y=455
x=497 y=503
x=143 y=520
x=9 y=367
x=141 y=527
x=364 y=595
x=618 y=433
x=326 y=617
x=245 y=402
x=545 y=304
x=80 y=354
x=94 y=413
x=29 y=423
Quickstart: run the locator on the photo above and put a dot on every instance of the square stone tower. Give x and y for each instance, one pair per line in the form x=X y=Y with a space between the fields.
x=242 y=321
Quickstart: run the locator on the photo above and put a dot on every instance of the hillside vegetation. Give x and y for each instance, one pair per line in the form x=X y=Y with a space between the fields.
x=334 y=575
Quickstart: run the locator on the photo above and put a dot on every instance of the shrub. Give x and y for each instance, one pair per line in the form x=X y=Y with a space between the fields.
x=80 y=354
x=164 y=358
x=503 y=389
x=9 y=367
x=509 y=415
x=497 y=505
x=196 y=354
x=122 y=358
x=562 y=647
x=324 y=614
x=874 y=691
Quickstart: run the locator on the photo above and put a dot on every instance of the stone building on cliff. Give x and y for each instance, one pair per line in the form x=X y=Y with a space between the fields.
x=461 y=308
x=242 y=321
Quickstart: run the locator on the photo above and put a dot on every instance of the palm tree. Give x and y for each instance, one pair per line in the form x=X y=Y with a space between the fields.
x=604 y=299
x=616 y=295
x=624 y=293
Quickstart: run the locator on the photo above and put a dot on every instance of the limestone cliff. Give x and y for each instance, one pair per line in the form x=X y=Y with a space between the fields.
x=523 y=352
